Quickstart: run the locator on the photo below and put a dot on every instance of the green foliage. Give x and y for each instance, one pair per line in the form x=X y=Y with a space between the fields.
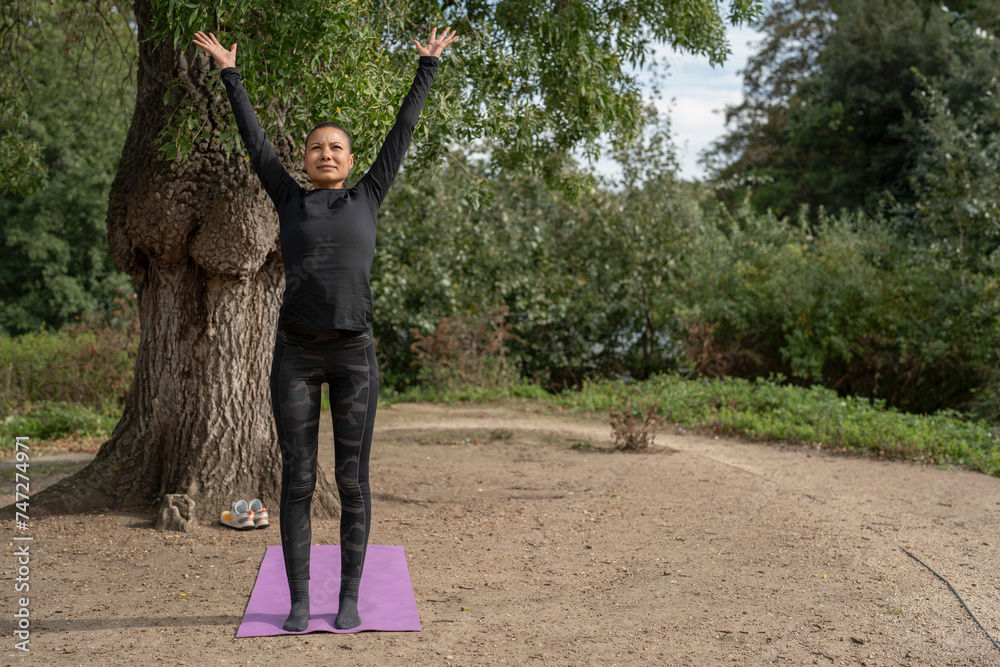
x=587 y=283
x=850 y=136
x=89 y=364
x=891 y=107
x=22 y=172
x=57 y=419
x=986 y=401
x=755 y=144
x=834 y=121
x=957 y=209
x=843 y=303
x=54 y=260
x=529 y=81
x=656 y=276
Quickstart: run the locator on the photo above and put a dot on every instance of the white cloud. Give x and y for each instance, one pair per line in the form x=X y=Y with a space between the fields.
x=699 y=93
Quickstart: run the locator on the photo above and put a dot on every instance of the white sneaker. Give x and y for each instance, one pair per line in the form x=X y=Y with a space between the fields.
x=259 y=514
x=240 y=517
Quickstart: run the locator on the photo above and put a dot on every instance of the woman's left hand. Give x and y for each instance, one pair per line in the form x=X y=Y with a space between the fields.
x=437 y=44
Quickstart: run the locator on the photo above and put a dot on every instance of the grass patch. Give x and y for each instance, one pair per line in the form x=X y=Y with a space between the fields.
x=49 y=420
x=767 y=410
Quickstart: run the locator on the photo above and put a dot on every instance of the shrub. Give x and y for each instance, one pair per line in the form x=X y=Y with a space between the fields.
x=90 y=363
x=466 y=350
x=56 y=419
x=844 y=304
x=634 y=428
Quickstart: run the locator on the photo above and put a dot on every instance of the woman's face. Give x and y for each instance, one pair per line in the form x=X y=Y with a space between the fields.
x=328 y=157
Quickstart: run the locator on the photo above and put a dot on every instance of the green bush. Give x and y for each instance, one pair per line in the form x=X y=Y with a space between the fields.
x=56 y=419
x=842 y=303
x=90 y=364
x=55 y=263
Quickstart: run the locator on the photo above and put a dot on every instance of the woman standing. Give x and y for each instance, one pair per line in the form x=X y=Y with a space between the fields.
x=324 y=327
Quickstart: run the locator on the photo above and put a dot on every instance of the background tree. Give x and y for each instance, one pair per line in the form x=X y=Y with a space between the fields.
x=197 y=236
x=838 y=123
x=955 y=211
x=897 y=117
x=794 y=34
x=54 y=261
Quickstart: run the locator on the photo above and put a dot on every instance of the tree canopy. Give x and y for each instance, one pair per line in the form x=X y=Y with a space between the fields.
x=832 y=112
x=58 y=162
x=527 y=82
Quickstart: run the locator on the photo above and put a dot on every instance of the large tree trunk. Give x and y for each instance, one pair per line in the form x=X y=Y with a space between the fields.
x=199 y=239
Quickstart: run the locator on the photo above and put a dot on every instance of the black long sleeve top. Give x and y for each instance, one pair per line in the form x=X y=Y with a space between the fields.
x=328 y=235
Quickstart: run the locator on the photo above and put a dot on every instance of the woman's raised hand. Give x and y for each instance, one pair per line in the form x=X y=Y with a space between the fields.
x=223 y=58
x=437 y=44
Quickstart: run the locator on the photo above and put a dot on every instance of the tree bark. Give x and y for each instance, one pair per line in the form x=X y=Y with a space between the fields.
x=200 y=240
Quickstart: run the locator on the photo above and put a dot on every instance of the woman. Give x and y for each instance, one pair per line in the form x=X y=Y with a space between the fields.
x=324 y=326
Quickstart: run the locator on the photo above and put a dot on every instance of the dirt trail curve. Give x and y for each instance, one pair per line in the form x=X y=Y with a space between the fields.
x=530 y=542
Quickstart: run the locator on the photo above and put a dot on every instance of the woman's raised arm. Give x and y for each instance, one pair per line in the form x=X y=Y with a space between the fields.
x=377 y=180
x=276 y=181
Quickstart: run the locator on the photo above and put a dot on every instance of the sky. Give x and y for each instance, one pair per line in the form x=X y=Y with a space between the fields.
x=694 y=94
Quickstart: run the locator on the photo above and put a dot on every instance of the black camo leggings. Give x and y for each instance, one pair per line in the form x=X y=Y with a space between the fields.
x=302 y=362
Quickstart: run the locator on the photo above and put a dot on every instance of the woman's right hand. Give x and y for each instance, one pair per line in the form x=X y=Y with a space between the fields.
x=223 y=58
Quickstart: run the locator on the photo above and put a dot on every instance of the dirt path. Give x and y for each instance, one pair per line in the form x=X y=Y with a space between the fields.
x=529 y=541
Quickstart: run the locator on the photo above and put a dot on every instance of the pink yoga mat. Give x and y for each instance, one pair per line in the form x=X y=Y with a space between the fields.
x=386 y=599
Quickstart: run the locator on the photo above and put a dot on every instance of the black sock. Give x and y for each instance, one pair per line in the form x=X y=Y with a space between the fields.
x=298 y=618
x=347 y=613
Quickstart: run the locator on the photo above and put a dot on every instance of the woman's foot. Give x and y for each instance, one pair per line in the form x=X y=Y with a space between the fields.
x=347 y=614
x=298 y=618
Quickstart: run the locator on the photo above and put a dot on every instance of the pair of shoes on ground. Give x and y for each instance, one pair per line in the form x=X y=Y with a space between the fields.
x=244 y=516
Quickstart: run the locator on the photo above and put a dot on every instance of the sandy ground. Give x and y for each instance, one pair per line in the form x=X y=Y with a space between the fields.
x=530 y=541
